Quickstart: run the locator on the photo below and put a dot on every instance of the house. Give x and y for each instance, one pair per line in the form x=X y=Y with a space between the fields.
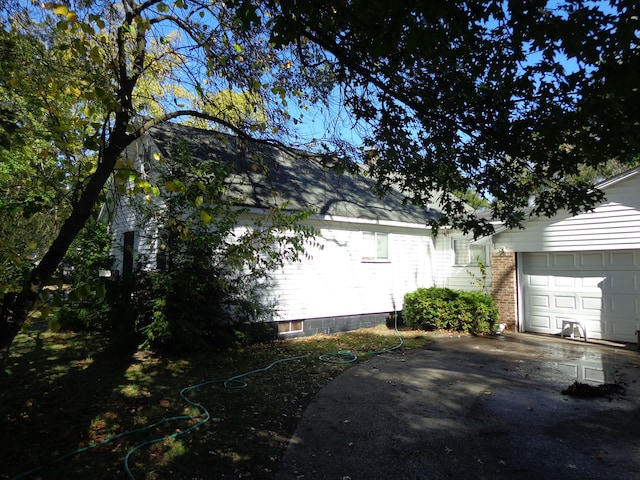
x=370 y=251
x=583 y=268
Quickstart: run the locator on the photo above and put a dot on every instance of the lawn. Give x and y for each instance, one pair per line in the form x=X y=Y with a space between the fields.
x=76 y=405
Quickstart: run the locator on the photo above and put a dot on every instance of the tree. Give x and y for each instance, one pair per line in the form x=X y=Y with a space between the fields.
x=506 y=99
x=128 y=46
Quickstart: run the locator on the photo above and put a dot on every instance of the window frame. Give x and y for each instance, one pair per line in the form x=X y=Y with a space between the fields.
x=366 y=245
x=472 y=253
x=287 y=327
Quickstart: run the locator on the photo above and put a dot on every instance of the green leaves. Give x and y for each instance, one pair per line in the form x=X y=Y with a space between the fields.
x=174 y=185
x=461 y=96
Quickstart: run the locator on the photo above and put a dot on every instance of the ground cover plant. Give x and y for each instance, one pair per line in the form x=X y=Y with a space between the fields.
x=67 y=391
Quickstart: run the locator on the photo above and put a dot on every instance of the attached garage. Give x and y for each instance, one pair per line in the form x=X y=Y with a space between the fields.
x=583 y=268
x=600 y=289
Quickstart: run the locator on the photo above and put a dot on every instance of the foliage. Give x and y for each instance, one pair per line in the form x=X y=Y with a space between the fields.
x=88 y=255
x=97 y=389
x=507 y=99
x=97 y=76
x=510 y=99
x=39 y=156
x=87 y=299
x=214 y=258
x=480 y=279
x=442 y=308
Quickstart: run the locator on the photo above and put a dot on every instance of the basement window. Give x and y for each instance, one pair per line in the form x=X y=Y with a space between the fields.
x=293 y=326
x=375 y=247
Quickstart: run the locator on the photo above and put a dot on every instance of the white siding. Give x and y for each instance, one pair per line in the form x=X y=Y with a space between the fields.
x=124 y=217
x=335 y=281
x=125 y=220
x=458 y=277
x=613 y=225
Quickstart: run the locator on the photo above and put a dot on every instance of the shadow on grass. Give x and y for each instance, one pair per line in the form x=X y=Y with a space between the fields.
x=58 y=383
x=68 y=391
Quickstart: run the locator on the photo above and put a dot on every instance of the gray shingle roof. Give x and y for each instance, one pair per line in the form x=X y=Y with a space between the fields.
x=264 y=176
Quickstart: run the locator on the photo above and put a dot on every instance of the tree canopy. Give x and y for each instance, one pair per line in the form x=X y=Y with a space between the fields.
x=509 y=100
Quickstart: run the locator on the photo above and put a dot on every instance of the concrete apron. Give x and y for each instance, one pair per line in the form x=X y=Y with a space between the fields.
x=474 y=408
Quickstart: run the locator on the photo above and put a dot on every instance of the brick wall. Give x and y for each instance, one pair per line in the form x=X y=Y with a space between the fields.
x=504 y=287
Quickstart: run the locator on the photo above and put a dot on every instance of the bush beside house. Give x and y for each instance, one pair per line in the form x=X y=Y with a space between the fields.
x=443 y=308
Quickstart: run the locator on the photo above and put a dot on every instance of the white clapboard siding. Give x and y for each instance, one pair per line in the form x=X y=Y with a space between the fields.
x=458 y=277
x=335 y=281
x=615 y=224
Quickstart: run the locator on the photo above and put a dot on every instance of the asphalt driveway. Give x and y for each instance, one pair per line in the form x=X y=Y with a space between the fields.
x=475 y=408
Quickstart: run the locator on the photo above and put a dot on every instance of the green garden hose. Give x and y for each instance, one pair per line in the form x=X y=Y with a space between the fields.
x=345 y=356
x=204 y=416
x=235 y=382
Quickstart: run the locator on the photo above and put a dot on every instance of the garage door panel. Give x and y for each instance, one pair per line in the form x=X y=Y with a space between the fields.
x=540 y=322
x=622 y=282
x=563 y=260
x=622 y=328
x=563 y=282
x=539 y=300
x=533 y=260
x=601 y=289
x=592 y=259
x=591 y=304
x=623 y=305
x=593 y=282
x=538 y=281
x=564 y=302
x=623 y=259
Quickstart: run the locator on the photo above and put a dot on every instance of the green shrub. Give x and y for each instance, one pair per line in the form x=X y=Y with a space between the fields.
x=214 y=260
x=443 y=308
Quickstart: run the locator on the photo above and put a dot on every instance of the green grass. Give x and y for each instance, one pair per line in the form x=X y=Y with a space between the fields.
x=69 y=391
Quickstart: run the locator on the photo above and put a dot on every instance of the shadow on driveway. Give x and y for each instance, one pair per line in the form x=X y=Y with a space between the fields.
x=474 y=408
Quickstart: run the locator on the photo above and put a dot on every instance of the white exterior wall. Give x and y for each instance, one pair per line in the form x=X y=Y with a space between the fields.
x=458 y=277
x=125 y=219
x=332 y=279
x=336 y=281
x=613 y=225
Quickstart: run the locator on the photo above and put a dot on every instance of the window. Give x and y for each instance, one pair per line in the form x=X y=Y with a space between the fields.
x=466 y=253
x=375 y=246
x=289 y=327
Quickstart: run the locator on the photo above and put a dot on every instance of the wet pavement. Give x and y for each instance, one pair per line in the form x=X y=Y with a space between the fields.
x=475 y=408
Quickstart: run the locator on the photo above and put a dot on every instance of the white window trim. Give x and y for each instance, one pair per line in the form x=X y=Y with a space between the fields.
x=290 y=326
x=376 y=259
x=472 y=260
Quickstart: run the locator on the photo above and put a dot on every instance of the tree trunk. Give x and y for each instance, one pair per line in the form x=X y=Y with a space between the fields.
x=16 y=307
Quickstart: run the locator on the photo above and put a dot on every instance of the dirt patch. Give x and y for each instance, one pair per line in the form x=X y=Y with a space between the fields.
x=584 y=390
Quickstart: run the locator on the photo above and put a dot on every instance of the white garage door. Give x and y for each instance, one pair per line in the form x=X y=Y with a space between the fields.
x=601 y=289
